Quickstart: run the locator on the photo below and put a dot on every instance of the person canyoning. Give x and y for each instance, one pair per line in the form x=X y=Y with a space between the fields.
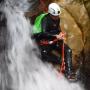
x=47 y=28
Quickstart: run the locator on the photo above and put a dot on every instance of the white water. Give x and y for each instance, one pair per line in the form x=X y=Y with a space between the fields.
x=27 y=71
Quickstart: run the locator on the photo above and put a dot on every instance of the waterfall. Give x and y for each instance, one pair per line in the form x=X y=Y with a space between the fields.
x=27 y=71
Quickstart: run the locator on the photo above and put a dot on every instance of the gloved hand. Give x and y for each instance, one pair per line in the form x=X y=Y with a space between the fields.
x=61 y=36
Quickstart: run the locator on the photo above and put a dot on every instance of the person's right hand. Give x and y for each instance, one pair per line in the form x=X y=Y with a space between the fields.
x=61 y=36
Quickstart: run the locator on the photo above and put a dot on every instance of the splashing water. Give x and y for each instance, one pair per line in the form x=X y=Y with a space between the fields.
x=27 y=71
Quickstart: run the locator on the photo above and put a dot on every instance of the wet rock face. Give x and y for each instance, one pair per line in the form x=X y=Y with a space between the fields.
x=82 y=51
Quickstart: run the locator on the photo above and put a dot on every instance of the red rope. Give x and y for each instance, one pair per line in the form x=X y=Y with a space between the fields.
x=62 y=68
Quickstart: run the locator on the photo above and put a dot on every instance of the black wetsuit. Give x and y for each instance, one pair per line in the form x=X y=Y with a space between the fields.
x=51 y=27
